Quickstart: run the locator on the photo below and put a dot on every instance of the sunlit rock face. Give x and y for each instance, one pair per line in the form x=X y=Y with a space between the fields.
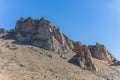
x=83 y=57
x=100 y=52
x=42 y=33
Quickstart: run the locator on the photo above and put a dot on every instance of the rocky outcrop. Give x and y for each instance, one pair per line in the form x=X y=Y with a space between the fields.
x=42 y=33
x=83 y=57
x=86 y=53
x=3 y=32
x=100 y=52
x=69 y=42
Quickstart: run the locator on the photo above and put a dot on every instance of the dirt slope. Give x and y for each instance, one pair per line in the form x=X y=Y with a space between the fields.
x=25 y=62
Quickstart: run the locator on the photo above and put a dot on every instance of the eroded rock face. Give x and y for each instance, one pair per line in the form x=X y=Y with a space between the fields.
x=100 y=52
x=41 y=33
x=69 y=42
x=83 y=57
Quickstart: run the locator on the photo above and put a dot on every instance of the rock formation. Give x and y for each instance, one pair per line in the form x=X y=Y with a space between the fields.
x=100 y=52
x=83 y=57
x=42 y=33
x=3 y=32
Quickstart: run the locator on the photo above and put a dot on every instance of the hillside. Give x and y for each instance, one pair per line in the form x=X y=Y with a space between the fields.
x=36 y=50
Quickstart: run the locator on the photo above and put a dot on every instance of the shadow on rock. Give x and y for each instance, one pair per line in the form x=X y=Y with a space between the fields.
x=117 y=63
x=73 y=61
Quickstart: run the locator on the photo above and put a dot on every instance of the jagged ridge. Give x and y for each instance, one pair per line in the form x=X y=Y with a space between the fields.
x=42 y=33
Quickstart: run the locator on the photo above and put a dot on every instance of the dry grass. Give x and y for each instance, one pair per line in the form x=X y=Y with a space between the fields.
x=25 y=62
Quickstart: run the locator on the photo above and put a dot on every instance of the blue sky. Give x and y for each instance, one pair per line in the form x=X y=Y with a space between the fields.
x=87 y=21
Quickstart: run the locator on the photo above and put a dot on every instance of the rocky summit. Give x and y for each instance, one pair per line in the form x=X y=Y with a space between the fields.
x=39 y=48
x=40 y=33
x=43 y=34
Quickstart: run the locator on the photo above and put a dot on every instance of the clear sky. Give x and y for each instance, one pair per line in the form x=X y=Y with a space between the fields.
x=87 y=21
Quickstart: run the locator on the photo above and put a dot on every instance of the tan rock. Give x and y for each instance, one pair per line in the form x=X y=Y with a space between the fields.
x=100 y=52
x=83 y=57
x=40 y=33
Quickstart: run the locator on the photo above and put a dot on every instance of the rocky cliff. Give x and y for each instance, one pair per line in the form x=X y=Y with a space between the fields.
x=42 y=33
x=100 y=52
